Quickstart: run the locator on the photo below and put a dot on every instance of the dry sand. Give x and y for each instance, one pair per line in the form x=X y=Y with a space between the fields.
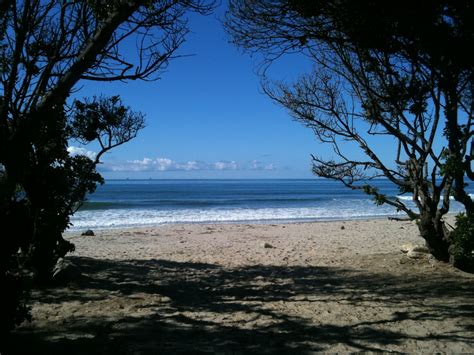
x=302 y=287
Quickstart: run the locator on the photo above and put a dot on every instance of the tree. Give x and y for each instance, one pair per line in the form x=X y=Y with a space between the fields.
x=46 y=49
x=397 y=70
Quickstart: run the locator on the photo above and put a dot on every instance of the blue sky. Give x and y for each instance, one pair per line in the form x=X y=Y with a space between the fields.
x=207 y=117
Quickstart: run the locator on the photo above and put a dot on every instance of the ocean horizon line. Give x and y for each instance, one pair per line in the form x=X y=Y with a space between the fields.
x=226 y=179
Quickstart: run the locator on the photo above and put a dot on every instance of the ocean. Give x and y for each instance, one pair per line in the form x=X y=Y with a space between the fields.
x=136 y=203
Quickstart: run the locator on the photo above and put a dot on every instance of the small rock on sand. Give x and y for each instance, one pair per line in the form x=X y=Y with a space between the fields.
x=88 y=233
x=407 y=248
x=415 y=254
x=267 y=245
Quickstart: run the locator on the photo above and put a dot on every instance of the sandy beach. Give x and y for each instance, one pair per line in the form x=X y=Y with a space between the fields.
x=240 y=288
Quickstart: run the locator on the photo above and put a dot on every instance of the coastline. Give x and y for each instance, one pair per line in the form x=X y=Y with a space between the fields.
x=309 y=286
x=450 y=217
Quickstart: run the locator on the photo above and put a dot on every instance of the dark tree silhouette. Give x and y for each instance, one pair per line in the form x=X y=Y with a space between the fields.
x=392 y=73
x=46 y=49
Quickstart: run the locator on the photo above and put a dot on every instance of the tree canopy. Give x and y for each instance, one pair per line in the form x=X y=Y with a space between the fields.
x=47 y=48
x=399 y=71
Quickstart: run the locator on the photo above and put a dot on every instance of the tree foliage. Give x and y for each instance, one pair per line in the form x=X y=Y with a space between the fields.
x=392 y=73
x=46 y=49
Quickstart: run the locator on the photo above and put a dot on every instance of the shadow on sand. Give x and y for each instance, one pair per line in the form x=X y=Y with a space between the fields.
x=173 y=307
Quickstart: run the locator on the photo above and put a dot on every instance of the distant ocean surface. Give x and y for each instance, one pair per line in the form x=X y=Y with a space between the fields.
x=134 y=203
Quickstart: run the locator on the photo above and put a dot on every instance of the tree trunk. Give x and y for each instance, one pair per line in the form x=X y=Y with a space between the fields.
x=436 y=235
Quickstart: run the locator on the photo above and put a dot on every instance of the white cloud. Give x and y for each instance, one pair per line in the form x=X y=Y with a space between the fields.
x=191 y=165
x=158 y=164
x=258 y=165
x=144 y=161
x=164 y=164
x=226 y=165
x=81 y=151
x=145 y=164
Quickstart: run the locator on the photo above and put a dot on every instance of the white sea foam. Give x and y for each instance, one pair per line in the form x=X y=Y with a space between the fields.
x=410 y=198
x=329 y=210
x=118 y=218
